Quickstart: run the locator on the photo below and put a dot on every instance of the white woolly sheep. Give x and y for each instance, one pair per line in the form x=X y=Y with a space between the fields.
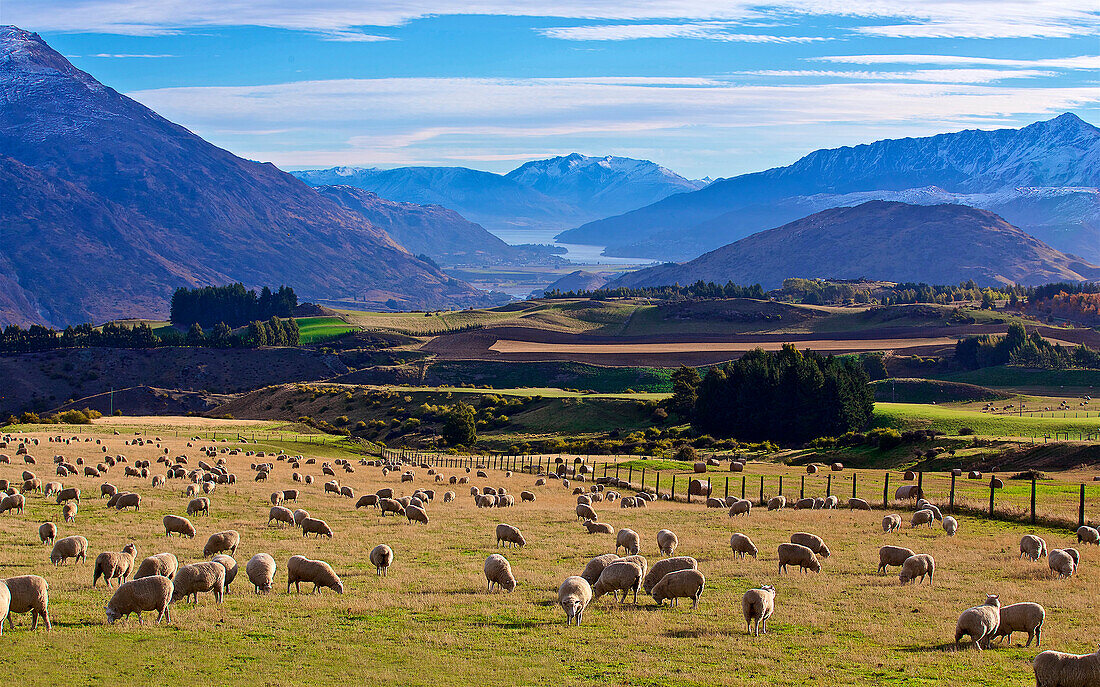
x=574 y=595
x=261 y=572
x=812 y=542
x=47 y=532
x=594 y=567
x=664 y=567
x=130 y=500
x=1061 y=563
x=629 y=540
x=804 y=504
x=950 y=525
x=29 y=594
x=1088 y=535
x=280 y=514
x=200 y=505
x=586 y=512
x=68 y=511
x=114 y=565
x=5 y=604
x=299 y=516
x=799 y=555
x=69 y=547
x=153 y=593
x=179 y=525
x=190 y=580
x=980 y=623
x=301 y=569
x=831 y=502
x=1022 y=617
x=639 y=561
x=231 y=568
x=1056 y=669
x=510 y=536
x=777 y=502
x=316 y=526
x=740 y=507
x=891 y=523
x=416 y=514
x=893 y=555
x=922 y=517
x=381 y=557
x=499 y=572
x=164 y=564
x=916 y=567
x=757 y=606
x=1033 y=547
x=367 y=500
x=394 y=506
x=667 y=542
x=742 y=545
x=624 y=576
x=682 y=584
x=219 y=542
x=858 y=504
x=594 y=527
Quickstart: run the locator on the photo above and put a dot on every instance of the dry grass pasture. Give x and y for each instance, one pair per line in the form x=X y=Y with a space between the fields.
x=431 y=622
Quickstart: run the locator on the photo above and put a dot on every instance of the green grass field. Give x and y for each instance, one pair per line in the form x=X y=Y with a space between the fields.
x=952 y=420
x=431 y=622
x=317 y=329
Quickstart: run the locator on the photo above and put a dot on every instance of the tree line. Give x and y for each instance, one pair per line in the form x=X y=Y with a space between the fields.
x=699 y=289
x=231 y=304
x=1019 y=348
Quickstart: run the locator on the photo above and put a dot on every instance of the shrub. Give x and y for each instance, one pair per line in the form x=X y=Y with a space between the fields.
x=966 y=431
x=686 y=453
x=340 y=421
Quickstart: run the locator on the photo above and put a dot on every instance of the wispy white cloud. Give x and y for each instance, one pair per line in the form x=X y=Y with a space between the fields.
x=1083 y=62
x=125 y=55
x=945 y=76
x=352 y=36
x=711 y=31
x=888 y=18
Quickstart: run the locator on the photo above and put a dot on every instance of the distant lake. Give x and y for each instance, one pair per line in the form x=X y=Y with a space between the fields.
x=577 y=253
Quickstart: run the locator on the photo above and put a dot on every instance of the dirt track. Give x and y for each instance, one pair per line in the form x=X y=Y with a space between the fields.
x=513 y=346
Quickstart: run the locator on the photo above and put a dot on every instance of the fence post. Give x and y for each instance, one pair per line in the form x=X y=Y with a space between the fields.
x=991 y=492
x=1033 y=499
x=630 y=474
x=727 y=486
x=829 y=485
x=952 y=491
x=1081 y=509
x=672 y=497
x=854 y=475
x=743 y=480
x=657 y=486
x=643 y=479
x=781 y=485
x=886 y=492
x=802 y=489
x=920 y=484
x=761 y=490
x=616 y=471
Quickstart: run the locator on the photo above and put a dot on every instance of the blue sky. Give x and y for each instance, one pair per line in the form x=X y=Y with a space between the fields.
x=704 y=88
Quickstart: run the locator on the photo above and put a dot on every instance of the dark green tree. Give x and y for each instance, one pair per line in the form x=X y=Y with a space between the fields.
x=685 y=390
x=459 y=425
x=195 y=335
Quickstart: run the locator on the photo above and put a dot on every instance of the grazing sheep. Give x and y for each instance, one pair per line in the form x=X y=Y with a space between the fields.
x=1088 y=535
x=13 y=502
x=667 y=542
x=261 y=572
x=757 y=606
x=200 y=505
x=499 y=572
x=449 y=496
x=347 y=492
x=629 y=540
x=740 y=507
x=858 y=504
x=804 y=504
x=1022 y=617
x=301 y=569
x=798 y=555
x=777 y=502
x=69 y=494
x=315 y=526
x=682 y=584
x=5 y=603
x=891 y=523
x=381 y=557
x=585 y=512
x=367 y=500
x=179 y=525
x=594 y=527
x=130 y=500
x=153 y=593
x=47 y=532
x=525 y=496
x=164 y=564
x=192 y=579
x=574 y=595
x=979 y=622
x=114 y=565
x=394 y=506
x=416 y=514
x=280 y=514
x=624 y=576
x=742 y=545
x=107 y=489
x=220 y=542
x=299 y=516
x=1062 y=562
x=1033 y=547
x=595 y=566
x=922 y=517
x=276 y=498
x=664 y=567
x=893 y=555
x=507 y=534
x=916 y=567
x=950 y=525
x=812 y=542
x=29 y=594
x=68 y=511
x=230 y=565
x=69 y=547
x=715 y=503
x=1056 y=669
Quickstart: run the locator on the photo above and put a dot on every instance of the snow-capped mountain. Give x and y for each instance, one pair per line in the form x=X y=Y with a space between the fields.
x=1042 y=178
x=553 y=194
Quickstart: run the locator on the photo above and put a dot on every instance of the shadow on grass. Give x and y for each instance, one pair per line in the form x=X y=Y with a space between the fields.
x=938 y=648
x=699 y=634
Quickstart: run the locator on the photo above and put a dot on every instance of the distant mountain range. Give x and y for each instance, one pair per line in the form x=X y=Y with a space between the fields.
x=106 y=207
x=550 y=195
x=1043 y=178
x=936 y=244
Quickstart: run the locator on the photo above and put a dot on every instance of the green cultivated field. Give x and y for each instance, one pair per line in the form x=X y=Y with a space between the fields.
x=315 y=329
x=951 y=420
x=431 y=622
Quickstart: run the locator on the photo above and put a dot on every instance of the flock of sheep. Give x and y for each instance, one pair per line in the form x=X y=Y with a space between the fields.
x=159 y=580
